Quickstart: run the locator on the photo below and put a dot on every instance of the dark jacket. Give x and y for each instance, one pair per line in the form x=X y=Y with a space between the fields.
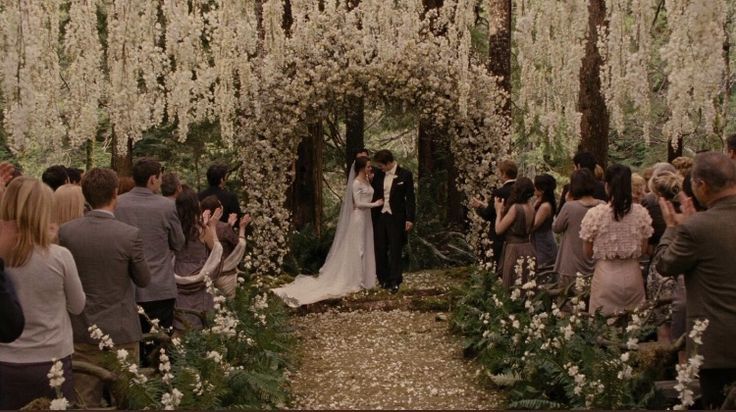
x=110 y=262
x=702 y=248
x=11 y=314
x=229 y=201
x=600 y=194
x=402 y=199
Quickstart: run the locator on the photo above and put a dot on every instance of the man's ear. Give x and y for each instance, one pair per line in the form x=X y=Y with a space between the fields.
x=151 y=180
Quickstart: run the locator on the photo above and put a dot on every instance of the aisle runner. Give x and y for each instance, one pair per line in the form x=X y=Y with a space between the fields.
x=383 y=360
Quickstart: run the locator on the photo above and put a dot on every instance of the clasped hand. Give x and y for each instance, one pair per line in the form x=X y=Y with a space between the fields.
x=670 y=215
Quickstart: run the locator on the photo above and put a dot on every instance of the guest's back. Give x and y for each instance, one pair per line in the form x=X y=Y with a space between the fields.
x=160 y=230
x=570 y=258
x=109 y=254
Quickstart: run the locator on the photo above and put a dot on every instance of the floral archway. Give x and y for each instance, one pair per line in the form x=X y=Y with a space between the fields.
x=382 y=53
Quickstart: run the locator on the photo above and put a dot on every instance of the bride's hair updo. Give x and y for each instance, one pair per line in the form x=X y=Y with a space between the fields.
x=360 y=164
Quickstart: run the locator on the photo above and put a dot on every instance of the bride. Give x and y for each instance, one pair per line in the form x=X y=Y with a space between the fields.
x=350 y=264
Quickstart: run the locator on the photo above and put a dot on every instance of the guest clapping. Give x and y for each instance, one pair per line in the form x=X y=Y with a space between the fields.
x=545 y=206
x=48 y=288
x=514 y=219
x=615 y=234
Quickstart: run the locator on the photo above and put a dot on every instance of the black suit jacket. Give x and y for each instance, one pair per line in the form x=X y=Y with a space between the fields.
x=402 y=199
x=503 y=192
x=11 y=314
x=228 y=199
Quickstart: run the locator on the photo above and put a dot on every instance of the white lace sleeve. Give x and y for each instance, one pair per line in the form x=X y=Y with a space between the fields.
x=210 y=266
x=236 y=256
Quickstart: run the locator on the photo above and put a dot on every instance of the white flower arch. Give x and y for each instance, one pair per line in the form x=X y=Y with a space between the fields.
x=382 y=54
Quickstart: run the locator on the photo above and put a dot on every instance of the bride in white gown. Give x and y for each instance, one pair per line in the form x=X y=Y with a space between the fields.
x=350 y=264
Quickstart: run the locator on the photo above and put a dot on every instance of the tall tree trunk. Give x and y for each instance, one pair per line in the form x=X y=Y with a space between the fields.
x=354 y=129
x=591 y=103
x=122 y=163
x=89 y=152
x=305 y=194
x=499 y=52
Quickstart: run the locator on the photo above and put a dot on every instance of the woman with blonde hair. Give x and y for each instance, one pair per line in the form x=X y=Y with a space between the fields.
x=48 y=289
x=68 y=204
x=638 y=188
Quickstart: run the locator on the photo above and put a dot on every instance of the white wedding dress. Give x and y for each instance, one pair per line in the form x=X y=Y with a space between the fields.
x=351 y=262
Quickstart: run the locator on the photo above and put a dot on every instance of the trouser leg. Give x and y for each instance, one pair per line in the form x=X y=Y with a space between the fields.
x=381 y=250
x=713 y=383
x=396 y=246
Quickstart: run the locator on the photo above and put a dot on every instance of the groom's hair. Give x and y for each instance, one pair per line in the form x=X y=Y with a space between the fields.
x=361 y=150
x=384 y=157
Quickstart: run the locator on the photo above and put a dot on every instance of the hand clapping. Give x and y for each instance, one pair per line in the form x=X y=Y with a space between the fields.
x=670 y=215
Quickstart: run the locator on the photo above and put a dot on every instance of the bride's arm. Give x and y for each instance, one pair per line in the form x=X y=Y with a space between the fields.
x=360 y=204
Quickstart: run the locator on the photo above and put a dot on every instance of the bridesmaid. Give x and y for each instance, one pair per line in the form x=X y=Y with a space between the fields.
x=545 y=207
x=514 y=220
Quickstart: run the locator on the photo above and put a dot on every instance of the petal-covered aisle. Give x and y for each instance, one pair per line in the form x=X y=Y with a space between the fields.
x=378 y=359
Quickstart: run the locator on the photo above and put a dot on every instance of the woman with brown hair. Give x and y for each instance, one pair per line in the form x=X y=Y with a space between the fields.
x=48 y=289
x=515 y=220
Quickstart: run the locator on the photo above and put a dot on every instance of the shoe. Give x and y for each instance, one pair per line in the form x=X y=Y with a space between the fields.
x=394 y=289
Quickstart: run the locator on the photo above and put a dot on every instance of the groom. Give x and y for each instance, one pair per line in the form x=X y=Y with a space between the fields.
x=392 y=221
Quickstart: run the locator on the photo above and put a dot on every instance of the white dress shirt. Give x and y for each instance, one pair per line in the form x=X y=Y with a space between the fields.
x=388 y=181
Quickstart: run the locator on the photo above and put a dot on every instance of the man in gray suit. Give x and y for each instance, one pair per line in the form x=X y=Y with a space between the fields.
x=108 y=254
x=155 y=216
x=702 y=246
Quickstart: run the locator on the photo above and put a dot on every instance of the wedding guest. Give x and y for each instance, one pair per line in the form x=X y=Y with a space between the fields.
x=156 y=218
x=170 y=185
x=225 y=233
x=125 y=185
x=217 y=175
x=615 y=235
x=667 y=185
x=647 y=174
x=545 y=206
x=48 y=289
x=684 y=165
x=75 y=175
x=514 y=218
x=638 y=190
x=111 y=263
x=507 y=172
x=650 y=202
x=700 y=245
x=585 y=160
x=571 y=259
x=55 y=177
x=11 y=314
x=198 y=260
x=731 y=146
x=68 y=204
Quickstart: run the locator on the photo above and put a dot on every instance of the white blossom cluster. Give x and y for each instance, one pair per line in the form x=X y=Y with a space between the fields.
x=103 y=339
x=689 y=372
x=625 y=44
x=695 y=65
x=56 y=379
x=550 y=40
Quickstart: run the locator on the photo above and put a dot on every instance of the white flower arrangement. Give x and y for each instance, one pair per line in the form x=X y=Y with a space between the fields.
x=689 y=372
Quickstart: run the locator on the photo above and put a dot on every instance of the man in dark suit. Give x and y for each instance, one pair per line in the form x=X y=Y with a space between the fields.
x=507 y=172
x=216 y=177
x=156 y=218
x=701 y=246
x=109 y=257
x=392 y=221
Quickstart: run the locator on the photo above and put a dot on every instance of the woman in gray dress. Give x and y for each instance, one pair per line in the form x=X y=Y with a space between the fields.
x=545 y=207
x=571 y=260
x=514 y=219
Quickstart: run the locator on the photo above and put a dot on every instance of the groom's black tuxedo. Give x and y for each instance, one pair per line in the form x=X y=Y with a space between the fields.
x=389 y=231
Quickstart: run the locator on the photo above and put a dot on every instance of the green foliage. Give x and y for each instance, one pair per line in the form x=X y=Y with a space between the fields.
x=540 y=343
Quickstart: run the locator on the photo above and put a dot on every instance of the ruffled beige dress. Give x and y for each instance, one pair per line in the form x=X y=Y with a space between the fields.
x=617 y=283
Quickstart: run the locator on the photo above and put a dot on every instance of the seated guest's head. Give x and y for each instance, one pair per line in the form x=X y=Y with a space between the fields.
x=210 y=203
x=55 y=176
x=521 y=192
x=731 y=146
x=217 y=175
x=582 y=184
x=647 y=175
x=666 y=184
x=618 y=187
x=170 y=185
x=125 y=185
x=68 y=204
x=584 y=160
x=147 y=173
x=190 y=214
x=683 y=165
x=507 y=170
x=100 y=188
x=75 y=175
x=28 y=202
x=714 y=177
